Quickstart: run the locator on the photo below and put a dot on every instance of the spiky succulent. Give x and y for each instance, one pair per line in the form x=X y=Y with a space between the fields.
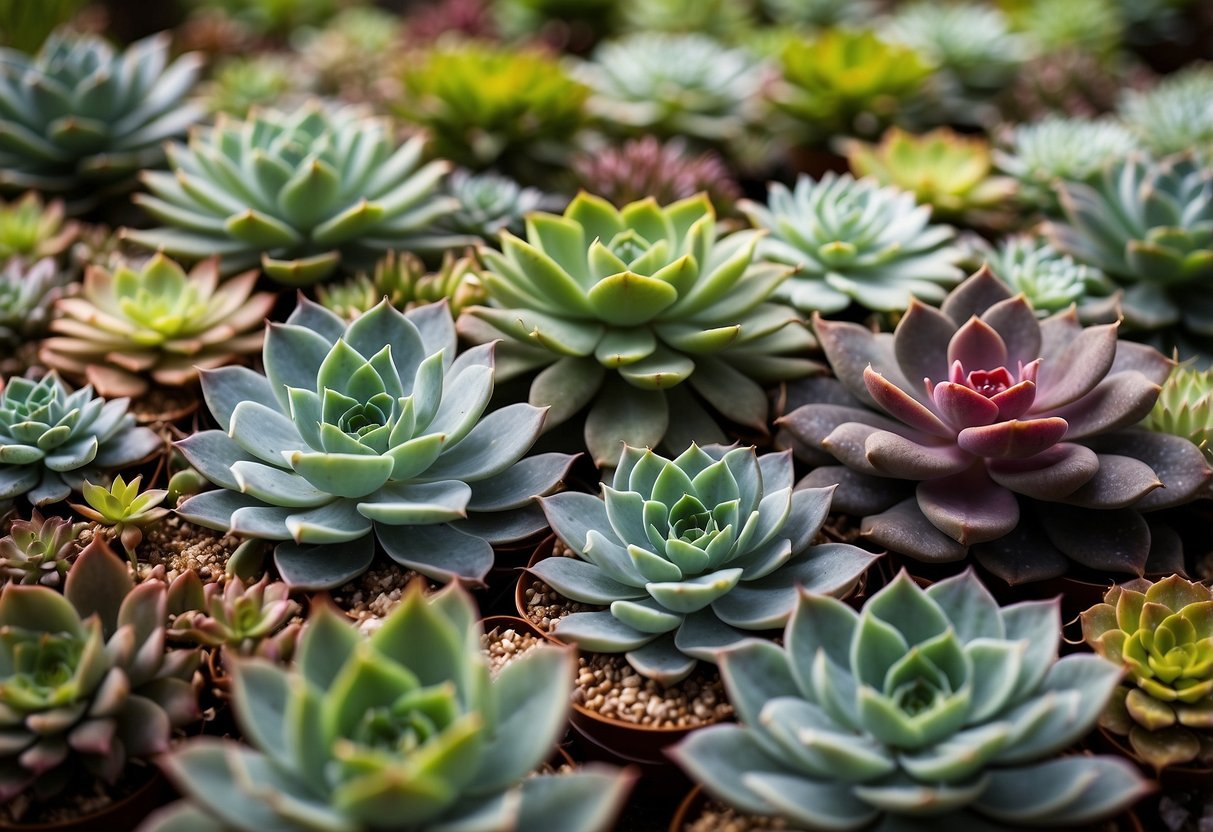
x=517 y=111
x=403 y=732
x=32 y=229
x=1162 y=633
x=621 y=307
x=87 y=682
x=39 y=551
x=1057 y=149
x=489 y=204
x=848 y=82
x=1014 y=438
x=1149 y=226
x=1174 y=115
x=123 y=510
x=155 y=324
x=948 y=171
x=929 y=709
x=363 y=431
x=648 y=167
x=299 y=193
x=1185 y=407
x=406 y=283
x=689 y=554
x=52 y=440
x=687 y=85
x=247 y=619
x=27 y=299
x=854 y=241
x=79 y=118
x=1049 y=280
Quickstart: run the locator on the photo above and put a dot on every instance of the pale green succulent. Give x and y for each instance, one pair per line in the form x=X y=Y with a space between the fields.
x=928 y=710
x=691 y=554
x=405 y=731
x=1185 y=407
x=365 y=431
x=80 y=119
x=32 y=229
x=123 y=510
x=299 y=193
x=851 y=241
x=489 y=204
x=1174 y=115
x=620 y=307
x=1050 y=281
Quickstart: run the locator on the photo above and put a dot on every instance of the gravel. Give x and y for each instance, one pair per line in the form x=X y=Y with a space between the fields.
x=180 y=546
x=504 y=645
x=372 y=595
x=716 y=817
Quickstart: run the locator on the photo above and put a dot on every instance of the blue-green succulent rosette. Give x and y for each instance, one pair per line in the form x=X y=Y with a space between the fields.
x=365 y=431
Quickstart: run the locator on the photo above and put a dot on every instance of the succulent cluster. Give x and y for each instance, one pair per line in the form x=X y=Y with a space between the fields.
x=365 y=431
x=1162 y=633
x=928 y=707
x=666 y=171
x=1049 y=280
x=1185 y=407
x=245 y=619
x=156 y=323
x=689 y=554
x=406 y=283
x=1017 y=443
x=404 y=730
x=39 y=551
x=620 y=307
x=322 y=189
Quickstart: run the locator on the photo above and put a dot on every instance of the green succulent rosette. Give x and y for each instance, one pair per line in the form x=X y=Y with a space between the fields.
x=1162 y=633
x=630 y=310
x=1185 y=407
x=365 y=431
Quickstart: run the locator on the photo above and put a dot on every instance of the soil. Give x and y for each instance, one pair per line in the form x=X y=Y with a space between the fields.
x=84 y=796
x=544 y=605
x=716 y=817
x=372 y=595
x=165 y=404
x=504 y=645
x=180 y=546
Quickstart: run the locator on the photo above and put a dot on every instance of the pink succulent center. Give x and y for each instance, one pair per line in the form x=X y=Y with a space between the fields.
x=990 y=382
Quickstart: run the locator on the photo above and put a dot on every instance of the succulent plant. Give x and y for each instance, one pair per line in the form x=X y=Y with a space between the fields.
x=363 y=431
x=819 y=13
x=929 y=709
x=1017 y=444
x=324 y=189
x=848 y=82
x=52 y=440
x=123 y=510
x=1092 y=26
x=243 y=83
x=1185 y=407
x=721 y=19
x=690 y=554
x=156 y=323
x=489 y=204
x=405 y=730
x=247 y=619
x=620 y=307
x=1149 y=226
x=275 y=17
x=687 y=85
x=1162 y=633
x=351 y=51
x=1048 y=280
x=1174 y=116
x=39 y=551
x=87 y=681
x=407 y=284
x=854 y=241
x=946 y=170
x=79 y=118
x=31 y=229
x=1055 y=149
x=27 y=299
x=516 y=111
x=647 y=167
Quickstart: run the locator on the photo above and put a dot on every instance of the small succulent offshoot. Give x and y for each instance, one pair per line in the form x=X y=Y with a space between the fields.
x=31 y=229
x=123 y=510
x=1185 y=407
x=406 y=283
x=39 y=551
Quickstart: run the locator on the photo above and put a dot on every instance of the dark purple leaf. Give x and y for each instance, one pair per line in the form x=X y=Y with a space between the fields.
x=1057 y=331
x=1015 y=321
x=814 y=422
x=857 y=494
x=921 y=343
x=904 y=529
x=1119 y=401
x=969 y=507
x=1120 y=482
x=1072 y=373
x=1052 y=474
x=1023 y=556
x=850 y=348
x=1107 y=541
x=977 y=346
x=1178 y=463
x=896 y=456
x=848 y=444
x=975 y=296
x=1166 y=551
x=1145 y=359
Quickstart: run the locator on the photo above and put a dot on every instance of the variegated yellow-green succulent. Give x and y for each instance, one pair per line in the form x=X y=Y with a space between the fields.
x=32 y=229
x=122 y=510
x=406 y=283
x=1185 y=407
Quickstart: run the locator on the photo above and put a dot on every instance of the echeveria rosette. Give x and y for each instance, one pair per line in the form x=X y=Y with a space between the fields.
x=628 y=311
x=852 y=240
x=1015 y=438
x=929 y=709
x=404 y=731
x=52 y=440
x=691 y=554
x=365 y=431
x=1162 y=633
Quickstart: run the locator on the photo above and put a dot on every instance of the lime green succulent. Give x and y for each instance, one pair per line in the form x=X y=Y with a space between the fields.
x=123 y=510
x=1092 y=26
x=1162 y=633
x=32 y=229
x=1185 y=407
x=1174 y=116
x=723 y=19
x=406 y=283
x=620 y=307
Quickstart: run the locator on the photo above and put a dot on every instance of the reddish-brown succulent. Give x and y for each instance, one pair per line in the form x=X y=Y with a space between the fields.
x=986 y=428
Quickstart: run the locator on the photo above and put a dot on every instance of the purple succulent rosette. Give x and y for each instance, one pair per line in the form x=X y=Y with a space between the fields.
x=979 y=427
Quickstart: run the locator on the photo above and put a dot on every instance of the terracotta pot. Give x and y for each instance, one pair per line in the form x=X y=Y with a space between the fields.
x=1171 y=778
x=694 y=803
x=123 y=814
x=543 y=550
x=513 y=622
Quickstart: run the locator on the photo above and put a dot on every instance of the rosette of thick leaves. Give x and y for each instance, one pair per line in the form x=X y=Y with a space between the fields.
x=404 y=731
x=1163 y=635
x=51 y=440
x=691 y=554
x=297 y=193
x=852 y=240
x=987 y=428
x=623 y=306
x=930 y=709
x=369 y=430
